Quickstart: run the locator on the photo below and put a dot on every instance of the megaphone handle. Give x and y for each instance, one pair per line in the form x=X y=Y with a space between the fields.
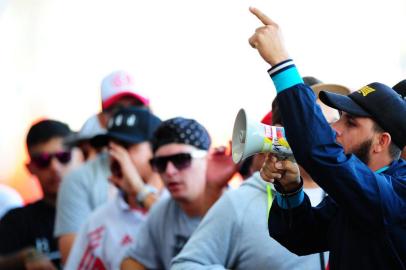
x=278 y=186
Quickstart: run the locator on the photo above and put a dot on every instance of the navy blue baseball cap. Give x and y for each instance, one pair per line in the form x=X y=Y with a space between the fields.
x=181 y=130
x=377 y=101
x=400 y=87
x=130 y=125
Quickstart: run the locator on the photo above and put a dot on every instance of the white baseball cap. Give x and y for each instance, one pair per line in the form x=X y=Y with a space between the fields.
x=117 y=85
x=90 y=129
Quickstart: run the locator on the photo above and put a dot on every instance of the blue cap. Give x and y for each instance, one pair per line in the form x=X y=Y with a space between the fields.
x=130 y=125
x=377 y=101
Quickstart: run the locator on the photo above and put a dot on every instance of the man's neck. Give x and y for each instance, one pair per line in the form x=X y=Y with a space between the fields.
x=195 y=208
x=379 y=162
x=50 y=199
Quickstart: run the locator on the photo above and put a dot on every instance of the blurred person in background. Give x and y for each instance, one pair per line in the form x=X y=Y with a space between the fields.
x=26 y=233
x=86 y=188
x=109 y=230
x=194 y=177
x=84 y=139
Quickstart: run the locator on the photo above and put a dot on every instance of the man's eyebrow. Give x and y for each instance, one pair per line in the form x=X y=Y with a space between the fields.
x=350 y=116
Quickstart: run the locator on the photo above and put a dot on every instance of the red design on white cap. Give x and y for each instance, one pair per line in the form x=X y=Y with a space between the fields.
x=122 y=79
x=117 y=85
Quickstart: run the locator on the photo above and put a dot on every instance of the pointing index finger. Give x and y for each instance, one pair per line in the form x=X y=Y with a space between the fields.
x=261 y=16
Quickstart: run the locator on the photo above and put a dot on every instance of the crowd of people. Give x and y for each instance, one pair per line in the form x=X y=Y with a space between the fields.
x=132 y=191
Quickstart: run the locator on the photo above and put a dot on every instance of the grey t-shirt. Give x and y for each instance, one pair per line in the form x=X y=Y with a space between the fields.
x=82 y=191
x=234 y=235
x=163 y=235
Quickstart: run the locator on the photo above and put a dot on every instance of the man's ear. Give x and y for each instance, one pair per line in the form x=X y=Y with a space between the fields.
x=383 y=140
x=30 y=167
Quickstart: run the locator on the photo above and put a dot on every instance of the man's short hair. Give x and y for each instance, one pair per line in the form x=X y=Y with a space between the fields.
x=394 y=150
x=45 y=130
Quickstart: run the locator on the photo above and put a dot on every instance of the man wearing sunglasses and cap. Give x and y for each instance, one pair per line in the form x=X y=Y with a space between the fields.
x=182 y=158
x=26 y=233
x=356 y=161
x=86 y=188
x=110 y=229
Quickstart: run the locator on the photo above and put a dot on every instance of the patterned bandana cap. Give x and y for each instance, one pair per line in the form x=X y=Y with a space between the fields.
x=181 y=130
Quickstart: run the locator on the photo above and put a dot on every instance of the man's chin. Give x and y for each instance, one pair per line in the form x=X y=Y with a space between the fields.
x=179 y=197
x=52 y=189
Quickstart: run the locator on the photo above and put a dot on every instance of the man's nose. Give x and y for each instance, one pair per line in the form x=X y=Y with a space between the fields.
x=170 y=168
x=55 y=164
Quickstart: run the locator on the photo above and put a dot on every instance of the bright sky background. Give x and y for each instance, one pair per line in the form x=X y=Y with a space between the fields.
x=192 y=57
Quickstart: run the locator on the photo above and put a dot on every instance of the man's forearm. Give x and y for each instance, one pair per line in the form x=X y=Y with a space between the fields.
x=131 y=264
x=65 y=243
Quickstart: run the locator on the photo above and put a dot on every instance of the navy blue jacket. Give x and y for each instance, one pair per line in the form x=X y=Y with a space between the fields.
x=363 y=220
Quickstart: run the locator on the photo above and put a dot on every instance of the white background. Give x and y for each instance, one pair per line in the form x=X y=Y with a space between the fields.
x=191 y=57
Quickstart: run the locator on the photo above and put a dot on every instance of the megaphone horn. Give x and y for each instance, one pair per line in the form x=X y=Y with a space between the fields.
x=250 y=138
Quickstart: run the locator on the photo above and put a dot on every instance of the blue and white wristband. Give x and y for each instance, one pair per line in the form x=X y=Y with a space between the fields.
x=285 y=75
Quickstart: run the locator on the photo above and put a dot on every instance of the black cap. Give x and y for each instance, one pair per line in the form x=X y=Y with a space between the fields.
x=377 y=101
x=400 y=87
x=130 y=125
x=181 y=130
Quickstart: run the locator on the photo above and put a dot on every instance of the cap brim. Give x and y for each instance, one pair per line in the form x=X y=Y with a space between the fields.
x=104 y=139
x=72 y=139
x=333 y=88
x=113 y=99
x=342 y=103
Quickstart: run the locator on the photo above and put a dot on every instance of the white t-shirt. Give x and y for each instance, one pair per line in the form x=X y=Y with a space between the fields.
x=81 y=192
x=316 y=195
x=9 y=199
x=103 y=240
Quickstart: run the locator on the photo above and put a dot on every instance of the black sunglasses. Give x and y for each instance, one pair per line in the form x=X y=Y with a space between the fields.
x=43 y=160
x=181 y=161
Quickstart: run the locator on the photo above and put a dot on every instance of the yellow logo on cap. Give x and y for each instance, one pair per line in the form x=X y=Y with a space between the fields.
x=366 y=90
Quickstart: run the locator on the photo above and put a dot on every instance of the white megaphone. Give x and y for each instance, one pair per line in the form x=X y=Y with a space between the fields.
x=250 y=137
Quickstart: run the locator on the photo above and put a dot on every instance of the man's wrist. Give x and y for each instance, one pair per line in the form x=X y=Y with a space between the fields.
x=285 y=75
x=291 y=189
x=275 y=62
x=144 y=192
x=289 y=197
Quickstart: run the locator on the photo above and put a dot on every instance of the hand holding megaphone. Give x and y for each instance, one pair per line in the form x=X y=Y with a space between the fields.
x=282 y=173
x=250 y=138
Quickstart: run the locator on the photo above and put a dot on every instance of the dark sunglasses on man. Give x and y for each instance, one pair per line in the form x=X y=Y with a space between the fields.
x=181 y=161
x=43 y=160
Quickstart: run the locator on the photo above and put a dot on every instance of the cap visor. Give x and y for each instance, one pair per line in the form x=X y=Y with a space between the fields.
x=342 y=103
x=103 y=140
x=113 y=99
x=333 y=88
x=71 y=140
